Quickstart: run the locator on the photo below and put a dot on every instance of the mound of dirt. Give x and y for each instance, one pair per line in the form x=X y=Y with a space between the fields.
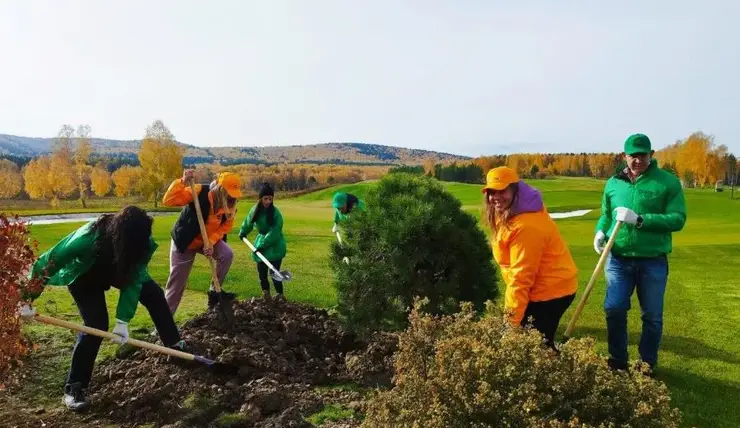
x=287 y=356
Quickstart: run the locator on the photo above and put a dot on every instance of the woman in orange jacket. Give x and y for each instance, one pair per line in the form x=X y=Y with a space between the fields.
x=218 y=205
x=536 y=265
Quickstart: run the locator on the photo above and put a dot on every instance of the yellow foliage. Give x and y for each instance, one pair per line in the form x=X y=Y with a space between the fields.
x=37 y=178
x=161 y=160
x=11 y=180
x=125 y=179
x=469 y=371
x=100 y=181
x=696 y=160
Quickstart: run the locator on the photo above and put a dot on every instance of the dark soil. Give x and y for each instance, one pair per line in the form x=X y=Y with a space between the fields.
x=290 y=361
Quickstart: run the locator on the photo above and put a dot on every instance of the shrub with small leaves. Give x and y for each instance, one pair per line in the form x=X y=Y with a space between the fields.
x=16 y=258
x=412 y=239
x=459 y=371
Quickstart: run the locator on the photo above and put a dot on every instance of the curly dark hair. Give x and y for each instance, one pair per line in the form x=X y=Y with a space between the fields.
x=123 y=242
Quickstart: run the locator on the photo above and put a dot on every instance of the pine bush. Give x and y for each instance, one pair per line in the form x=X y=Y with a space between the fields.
x=412 y=239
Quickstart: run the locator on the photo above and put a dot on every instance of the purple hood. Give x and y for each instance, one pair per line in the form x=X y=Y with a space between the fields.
x=528 y=201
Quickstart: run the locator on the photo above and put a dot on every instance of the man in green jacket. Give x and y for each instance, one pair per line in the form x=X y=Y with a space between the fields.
x=113 y=250
x=650 y=203
x=344 y=204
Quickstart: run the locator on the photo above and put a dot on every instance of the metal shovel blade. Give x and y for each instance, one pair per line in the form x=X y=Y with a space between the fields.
x=225 y=310
x=283 y=276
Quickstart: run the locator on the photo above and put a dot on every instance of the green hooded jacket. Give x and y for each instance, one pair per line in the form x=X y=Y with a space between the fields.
x=270 y=241
x=340 y=199
x=74 y=255
x=658 y=197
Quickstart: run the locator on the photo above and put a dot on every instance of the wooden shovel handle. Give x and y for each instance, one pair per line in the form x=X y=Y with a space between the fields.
x=204 y=235
x=592 y=281
x=114 y=337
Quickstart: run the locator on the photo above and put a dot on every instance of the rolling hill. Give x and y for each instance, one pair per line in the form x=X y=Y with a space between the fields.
x=346 y=153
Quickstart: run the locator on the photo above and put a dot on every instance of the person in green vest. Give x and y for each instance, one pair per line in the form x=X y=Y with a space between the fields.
x=344 y=205
x=270 y=241
x=650 y=202
x=112 y=251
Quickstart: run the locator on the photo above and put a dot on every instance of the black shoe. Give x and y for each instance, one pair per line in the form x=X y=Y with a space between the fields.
x=618 y=365
x=180 y=346
x=74 y=397
x=213 y=297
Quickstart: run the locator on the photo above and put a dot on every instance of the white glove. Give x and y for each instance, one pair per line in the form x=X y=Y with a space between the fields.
x=334 y=228
x=626 y=215
x=599 y=242
x=26 y=312
x=121 y=329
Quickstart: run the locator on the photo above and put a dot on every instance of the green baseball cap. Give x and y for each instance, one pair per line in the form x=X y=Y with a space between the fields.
x=339 y=200
x=637 y=143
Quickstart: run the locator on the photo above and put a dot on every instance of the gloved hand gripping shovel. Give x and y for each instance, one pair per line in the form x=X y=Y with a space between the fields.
x=225 y=306
x=217 y=366
x=592 y=281
x=281 y=276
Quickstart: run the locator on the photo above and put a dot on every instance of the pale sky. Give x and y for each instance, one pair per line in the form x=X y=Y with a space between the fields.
x=465 y=77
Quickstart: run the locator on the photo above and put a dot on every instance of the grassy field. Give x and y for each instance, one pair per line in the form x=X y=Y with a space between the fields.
x=93 y=205
x=700 y=353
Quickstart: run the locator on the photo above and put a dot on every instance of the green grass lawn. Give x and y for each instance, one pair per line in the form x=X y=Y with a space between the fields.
x=93 y=205
x=700 y=353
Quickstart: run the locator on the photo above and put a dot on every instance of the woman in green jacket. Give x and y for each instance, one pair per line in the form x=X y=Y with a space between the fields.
x=113 y=250
x=344 y=204
x=270 y=240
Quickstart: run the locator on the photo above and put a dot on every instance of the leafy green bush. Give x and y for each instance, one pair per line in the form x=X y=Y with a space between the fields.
x=412 y=239
x=456 y=371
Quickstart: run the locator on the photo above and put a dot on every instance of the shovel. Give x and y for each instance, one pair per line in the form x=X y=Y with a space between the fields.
x=216 y=366
x=281 y=276
x=592 y=281
x=225 y=308
x=339 y=238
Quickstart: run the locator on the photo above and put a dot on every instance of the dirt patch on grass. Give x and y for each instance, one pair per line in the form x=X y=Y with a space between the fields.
x=291 y=361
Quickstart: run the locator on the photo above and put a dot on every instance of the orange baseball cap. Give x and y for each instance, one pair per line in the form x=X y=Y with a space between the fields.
x=500 y=178
x=231 y=182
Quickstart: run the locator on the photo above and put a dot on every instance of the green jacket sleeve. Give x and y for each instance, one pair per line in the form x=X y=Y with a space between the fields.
x=77 y=243
x=128 y=300
x=605 y=219
x=71 y=246
x=674 y=217
x=247 y=224
x=337 y=218
x=276 y=231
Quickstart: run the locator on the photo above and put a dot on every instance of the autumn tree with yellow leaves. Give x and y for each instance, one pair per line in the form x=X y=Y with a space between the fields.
x=11 y=180
x=126 y=179
x=696 y=160
x=62 y=179
x=100 y=181
x=81 y=158
x=161 y=161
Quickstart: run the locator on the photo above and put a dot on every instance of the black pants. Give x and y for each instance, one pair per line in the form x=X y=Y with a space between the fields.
x=547 y=316
x=90 y=300
x=263 y=271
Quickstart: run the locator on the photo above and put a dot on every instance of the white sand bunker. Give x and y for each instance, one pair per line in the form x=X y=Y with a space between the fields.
x=569 y=214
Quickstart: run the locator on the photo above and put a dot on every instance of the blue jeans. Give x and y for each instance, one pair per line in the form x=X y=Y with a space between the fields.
x=623 y=275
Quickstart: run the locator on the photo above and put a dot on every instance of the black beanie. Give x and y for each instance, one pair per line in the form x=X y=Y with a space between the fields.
x=266 y=190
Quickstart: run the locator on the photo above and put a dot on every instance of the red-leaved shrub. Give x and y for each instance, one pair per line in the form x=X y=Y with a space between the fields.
x=16 y=257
